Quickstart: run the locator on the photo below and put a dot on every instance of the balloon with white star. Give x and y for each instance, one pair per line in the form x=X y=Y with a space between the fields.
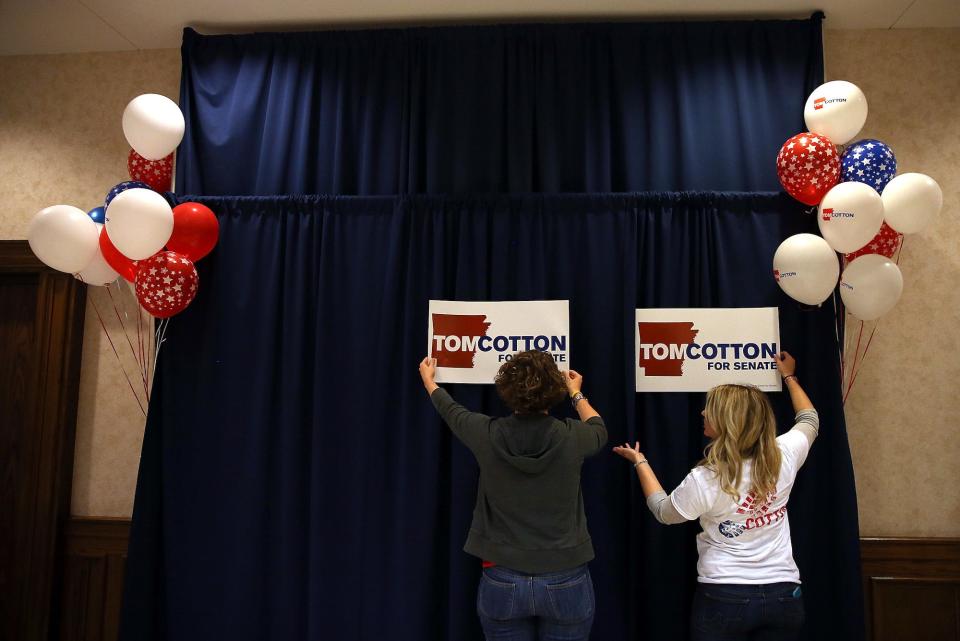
x=166 y=283
x=886 y=243
x=808 y=166
x=870 y=162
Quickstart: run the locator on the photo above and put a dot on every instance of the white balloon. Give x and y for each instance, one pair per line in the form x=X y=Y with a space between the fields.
x=806 y=268
x=911 y=202
x=139 y=223
x=870 y=286
x=837 y=110
x=98 y=272
x=850 y=215
x=63 y=237
x=153 y=125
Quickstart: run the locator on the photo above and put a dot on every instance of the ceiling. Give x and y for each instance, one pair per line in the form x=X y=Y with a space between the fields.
x=69 y=26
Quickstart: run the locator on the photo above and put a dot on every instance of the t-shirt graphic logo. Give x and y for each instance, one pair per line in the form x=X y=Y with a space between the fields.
x=730 y=529
x=459 y=333
x=663 y=347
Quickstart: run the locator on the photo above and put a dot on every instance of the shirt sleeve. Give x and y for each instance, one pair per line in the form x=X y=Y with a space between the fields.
x=796 y=443
x=591 y=434
x=663 y=510
x=691 y=499
x=471 y=428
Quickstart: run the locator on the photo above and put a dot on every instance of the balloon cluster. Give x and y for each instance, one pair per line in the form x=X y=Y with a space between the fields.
x=863 y=207
x=135 y=234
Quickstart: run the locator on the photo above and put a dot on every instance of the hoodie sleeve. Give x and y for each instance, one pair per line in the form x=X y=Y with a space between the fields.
x=591 y=435
x=471 y=428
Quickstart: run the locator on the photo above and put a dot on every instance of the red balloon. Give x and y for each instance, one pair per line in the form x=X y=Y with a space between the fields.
x=156 y=173
x=808 y=167
x=195 y=231
x=121 y=264
x=166 y=283
x=886 y=243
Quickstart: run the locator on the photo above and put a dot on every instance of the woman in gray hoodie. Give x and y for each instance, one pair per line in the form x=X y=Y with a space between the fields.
x=529 y=527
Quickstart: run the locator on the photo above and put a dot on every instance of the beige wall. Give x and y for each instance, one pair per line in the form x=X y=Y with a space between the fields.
x=900 y=415
x=60 y=141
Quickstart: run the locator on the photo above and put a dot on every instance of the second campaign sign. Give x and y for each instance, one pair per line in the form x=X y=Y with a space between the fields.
x=692 y=350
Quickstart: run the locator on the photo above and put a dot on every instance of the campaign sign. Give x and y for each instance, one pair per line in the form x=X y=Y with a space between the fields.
x=471 y=340
x=692 y=350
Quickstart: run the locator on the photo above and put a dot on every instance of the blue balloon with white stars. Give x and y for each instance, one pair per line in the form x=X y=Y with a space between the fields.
x=98 y=214
x=122 y=187
x=870 y=162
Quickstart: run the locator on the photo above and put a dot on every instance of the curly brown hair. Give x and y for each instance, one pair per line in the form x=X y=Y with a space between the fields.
x=530 y=382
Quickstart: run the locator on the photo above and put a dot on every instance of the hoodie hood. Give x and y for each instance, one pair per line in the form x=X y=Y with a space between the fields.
x=529 y=444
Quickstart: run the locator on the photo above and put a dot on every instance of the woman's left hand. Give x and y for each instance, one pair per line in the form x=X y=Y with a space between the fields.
x=632 y=454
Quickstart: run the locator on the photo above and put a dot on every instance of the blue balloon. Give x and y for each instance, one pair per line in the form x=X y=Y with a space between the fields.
x=122 y=187
x=98 y=214
x=870 y=162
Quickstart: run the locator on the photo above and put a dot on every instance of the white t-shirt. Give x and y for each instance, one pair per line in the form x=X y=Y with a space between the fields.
x=746 y=542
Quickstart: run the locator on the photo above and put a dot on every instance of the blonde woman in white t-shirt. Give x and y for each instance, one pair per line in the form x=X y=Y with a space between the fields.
x=748 y=582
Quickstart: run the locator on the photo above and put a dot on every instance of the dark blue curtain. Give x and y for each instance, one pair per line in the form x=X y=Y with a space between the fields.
x=520 y=108
x=296 y=482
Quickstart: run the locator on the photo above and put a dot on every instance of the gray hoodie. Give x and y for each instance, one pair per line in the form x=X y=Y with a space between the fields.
x=529 y=513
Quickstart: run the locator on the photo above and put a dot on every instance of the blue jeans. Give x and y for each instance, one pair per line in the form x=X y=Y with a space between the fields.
x=726 y=612
x=549 y=607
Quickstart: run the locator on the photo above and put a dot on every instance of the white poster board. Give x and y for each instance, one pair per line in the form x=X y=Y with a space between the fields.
x=692 y=350
x=471 y=340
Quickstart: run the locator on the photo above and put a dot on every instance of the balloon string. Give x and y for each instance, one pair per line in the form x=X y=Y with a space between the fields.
x=147 y=356
x=117 y=354
x=838 y=330
x=853 y=366
x=124 y=328
x=161 y=337
x=863 y=358
x=140 y=360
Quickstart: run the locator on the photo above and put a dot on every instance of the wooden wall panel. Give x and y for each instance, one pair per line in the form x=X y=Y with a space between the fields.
x=911 y=589
x=911 y=586
x=96 y=558
x=41 y=335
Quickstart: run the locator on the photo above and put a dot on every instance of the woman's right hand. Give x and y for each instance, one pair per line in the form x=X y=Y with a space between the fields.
x=786 y=364
x=574 y=381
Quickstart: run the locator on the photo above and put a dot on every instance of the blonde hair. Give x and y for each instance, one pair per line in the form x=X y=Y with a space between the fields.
x=746 y=428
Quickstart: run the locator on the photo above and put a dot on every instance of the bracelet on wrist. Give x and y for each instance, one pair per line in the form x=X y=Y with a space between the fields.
x=576 y=398
x=639 y=463
x=789 y=376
